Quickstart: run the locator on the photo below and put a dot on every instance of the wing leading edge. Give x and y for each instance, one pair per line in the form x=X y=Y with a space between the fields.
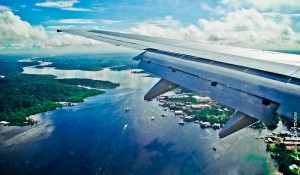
x=236 y=77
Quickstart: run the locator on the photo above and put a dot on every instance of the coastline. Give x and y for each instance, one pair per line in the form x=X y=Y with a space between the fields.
x=30 y=94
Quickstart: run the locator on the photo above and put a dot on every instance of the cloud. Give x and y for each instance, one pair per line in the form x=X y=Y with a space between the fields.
x=166 y=21
x=265 y=5
x=161 y=27
x=81 y=23
x=281 y=15
x=249 y=28
x=108 y=21
x=4 y=8
x=16 y=34
x=55 y=27
x=242 y=28
x=63 y=5
x=213 y=10
x=76 y=21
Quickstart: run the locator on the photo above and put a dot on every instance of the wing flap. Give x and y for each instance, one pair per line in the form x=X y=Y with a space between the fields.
x=237 y=122
x=161 y=87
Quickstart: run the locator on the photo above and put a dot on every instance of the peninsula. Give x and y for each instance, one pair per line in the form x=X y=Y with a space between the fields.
x=23 y=95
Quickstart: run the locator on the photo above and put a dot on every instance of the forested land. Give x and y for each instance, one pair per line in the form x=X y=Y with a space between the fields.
x=89 y=83
x=91 y=62
x=23 y=95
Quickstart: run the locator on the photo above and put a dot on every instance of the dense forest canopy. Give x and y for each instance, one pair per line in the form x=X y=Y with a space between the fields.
x=23 y=95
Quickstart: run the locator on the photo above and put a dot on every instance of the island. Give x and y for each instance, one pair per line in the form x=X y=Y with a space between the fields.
x=196 y=107
x=90 y=62
x=23 y=95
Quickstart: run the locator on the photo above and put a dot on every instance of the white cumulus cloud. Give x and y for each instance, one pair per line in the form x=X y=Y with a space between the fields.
x=16 y=34
x=4 y=8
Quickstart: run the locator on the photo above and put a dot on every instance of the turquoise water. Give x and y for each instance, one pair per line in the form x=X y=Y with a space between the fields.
x=99 y=137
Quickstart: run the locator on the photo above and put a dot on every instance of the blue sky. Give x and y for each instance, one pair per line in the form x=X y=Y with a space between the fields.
x=29 y=25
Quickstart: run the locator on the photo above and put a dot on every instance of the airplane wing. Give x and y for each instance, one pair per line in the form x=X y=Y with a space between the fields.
x=258 y=84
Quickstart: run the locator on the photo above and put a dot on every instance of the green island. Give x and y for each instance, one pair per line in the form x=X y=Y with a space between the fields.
x=90 y=62
x=285 y=157
x=209 y=111
x=283 y=149
x=89 y=83
x=204 y=109
x=23 y=95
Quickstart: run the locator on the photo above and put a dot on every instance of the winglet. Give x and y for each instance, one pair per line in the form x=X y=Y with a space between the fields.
x=237 y=121
x=159 y=88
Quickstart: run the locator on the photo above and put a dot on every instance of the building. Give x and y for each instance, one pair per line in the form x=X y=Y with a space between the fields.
x=291 y=139
x=199 y=106
x=174 y=107
x=293 y=167
x=202 y=99
x=178 y=112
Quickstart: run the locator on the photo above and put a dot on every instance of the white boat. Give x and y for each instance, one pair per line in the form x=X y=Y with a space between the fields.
x=205 y=125
x=181 y=123
x=152 y=118
x=127 y=109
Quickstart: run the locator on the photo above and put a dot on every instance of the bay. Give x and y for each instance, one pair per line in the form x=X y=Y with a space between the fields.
x=99 y=137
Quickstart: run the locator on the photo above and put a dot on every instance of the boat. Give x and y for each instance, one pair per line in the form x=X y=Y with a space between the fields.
x=152 y=118
x=127 y=109
x=205 y=125
x=215 y=149
x=181 y=123
x=216 y=126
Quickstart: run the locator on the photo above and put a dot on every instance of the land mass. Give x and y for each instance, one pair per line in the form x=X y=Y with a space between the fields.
x=23 y=95
x=89 y=83
x=91 y=62
x=204 y=109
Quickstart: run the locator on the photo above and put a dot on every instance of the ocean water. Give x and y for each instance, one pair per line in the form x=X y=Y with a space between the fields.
x=99 y=137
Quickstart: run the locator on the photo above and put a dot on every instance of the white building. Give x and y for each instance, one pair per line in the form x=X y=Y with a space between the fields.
x=179 y=112
x=200 y=106
x=202 y=99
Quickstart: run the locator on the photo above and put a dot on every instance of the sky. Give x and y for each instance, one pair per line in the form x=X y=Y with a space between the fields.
x=29 y=26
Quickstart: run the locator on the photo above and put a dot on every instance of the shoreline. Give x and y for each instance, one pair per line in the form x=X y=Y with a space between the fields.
x=15 y=135
x=42 y=93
